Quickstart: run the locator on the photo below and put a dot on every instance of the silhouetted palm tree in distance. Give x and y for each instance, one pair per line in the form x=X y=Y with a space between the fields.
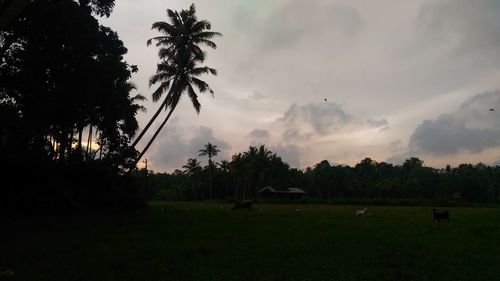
x=181 y=55
x=192 y=169
x=210 y=150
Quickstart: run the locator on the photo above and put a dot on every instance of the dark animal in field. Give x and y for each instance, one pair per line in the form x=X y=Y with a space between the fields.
x=438 y=216
x=242 y=205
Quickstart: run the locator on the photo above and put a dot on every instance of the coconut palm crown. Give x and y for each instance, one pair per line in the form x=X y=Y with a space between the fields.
x=181 y=56
x=180 y=63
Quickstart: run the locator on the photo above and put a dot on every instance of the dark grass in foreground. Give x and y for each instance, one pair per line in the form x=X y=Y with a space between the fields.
x=191 y=241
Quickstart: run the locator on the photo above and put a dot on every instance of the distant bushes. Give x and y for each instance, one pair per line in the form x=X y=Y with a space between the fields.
x=371 y=201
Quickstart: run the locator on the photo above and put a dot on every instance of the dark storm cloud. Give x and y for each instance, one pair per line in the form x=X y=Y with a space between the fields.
x=472 y=128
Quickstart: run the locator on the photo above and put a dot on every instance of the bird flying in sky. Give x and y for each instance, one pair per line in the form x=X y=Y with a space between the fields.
x=491 y=109
x=325 y=99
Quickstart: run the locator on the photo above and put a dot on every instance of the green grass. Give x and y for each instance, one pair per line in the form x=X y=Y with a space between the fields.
x=192 y=241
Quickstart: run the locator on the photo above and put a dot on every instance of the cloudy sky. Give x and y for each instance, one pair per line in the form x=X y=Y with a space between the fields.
x=401 y=79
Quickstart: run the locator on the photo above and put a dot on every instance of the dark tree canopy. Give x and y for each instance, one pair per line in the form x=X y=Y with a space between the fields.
x=368 y=181
x=65 y=86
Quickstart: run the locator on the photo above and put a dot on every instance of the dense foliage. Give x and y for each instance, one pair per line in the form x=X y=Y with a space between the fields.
x=247 y=172
x=65 y=86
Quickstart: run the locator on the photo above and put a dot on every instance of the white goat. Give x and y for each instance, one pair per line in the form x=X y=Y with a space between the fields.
x=361 y=212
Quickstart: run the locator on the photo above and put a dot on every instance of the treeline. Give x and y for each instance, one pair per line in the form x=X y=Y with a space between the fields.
x=67 y=109
x=258 y=167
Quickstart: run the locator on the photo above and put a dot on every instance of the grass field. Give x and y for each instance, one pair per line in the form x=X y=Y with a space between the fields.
x=192 y=241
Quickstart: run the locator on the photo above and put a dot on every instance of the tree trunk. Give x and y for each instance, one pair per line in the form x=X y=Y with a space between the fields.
x=100 y=151
x=152 y=138
x=79 y=147
x=139 y=137
x=210 y=178
x=194 y=191
x=89 y=143
x=225 y=187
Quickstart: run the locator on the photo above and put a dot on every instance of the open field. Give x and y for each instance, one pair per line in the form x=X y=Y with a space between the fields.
x=192 y=241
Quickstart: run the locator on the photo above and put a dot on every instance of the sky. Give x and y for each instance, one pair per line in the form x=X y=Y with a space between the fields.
x=401 y=79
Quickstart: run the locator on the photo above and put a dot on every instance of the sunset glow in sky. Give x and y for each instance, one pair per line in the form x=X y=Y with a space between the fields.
x=402 y=78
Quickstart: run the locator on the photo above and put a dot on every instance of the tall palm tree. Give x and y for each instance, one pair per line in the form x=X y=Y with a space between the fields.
x=180 y=63
x=224 y=170
x=192 y=169
x=257 y=160
x=210 y=150
x=236 y=169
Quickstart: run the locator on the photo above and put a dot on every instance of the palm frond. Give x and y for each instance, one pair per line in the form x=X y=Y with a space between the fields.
x=206 y=43
x=138 y=97
x=167 y=52
x=164 y=86
x=203 y=70
x=202 y=86
x=201 y=25
x=166 y=68
x=194 y=99
x=160 y=40
x=163 y=27
x=162 y=76
x=206 y=35
x=174 y=17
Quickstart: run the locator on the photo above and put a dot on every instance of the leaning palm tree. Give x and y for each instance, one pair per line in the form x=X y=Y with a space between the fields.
x=210 y=151
x=180 y=63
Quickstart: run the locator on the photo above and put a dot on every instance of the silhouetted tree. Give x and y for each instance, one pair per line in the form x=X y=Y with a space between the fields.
x=224 y=169
x=210 y=151
x=193 y=169
x=180 y=58
x=63 y=75
x=236 y=170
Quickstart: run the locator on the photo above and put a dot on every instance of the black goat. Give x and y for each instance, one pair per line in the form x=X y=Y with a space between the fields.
x=242 y=205
x=438 y=216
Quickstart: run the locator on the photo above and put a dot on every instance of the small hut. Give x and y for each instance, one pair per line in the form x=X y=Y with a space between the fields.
x=281 y=193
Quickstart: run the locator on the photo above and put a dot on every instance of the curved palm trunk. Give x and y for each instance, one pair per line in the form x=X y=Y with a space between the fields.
x=153 y=138
x=139 y=137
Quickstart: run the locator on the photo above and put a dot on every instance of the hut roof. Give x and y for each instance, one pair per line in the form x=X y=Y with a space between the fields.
x=291 y=190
